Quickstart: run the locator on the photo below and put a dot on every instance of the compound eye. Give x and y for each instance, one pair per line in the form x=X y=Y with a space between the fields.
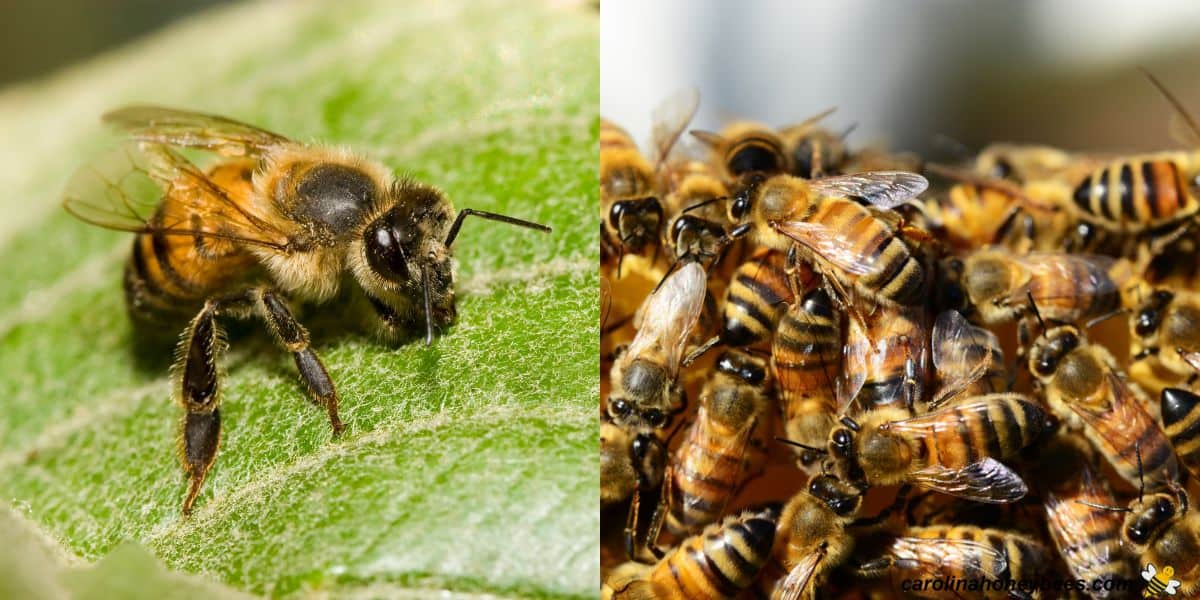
x=1147 y=322
x=1163 y=509
x=620 y=408
x=841 y=438
x=1045 y=365
x=385 y=253
x=1136 y=534
x=655 y=418
x=640 y=446
x=741 y=206
x=1069 y=342
x=615 y=213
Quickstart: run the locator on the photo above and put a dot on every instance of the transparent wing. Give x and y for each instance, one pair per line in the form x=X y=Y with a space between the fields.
x=793 y=586
x=124 y=189
x=939 y=557
x=670 y=119
x=669 y=315
x=962 y=353
x=1081 y=530
x=1122 y=423
x=829 y=245
x=807 y=124
x=175 y=127
x=1192 y=358
x=986 y=480
x=855 y=356
x=1089 y=273
x=885 y=189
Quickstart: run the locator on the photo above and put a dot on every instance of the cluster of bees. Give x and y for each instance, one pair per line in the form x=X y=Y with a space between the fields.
x=824 y=377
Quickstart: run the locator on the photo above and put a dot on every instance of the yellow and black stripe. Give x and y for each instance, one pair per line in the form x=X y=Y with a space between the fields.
x=806 y=358
x=757 y=297
x=1024 y=557
x=1181 y=417
x=896 y=274
x=1136 y=194
x=722 y=560
x=996 y=426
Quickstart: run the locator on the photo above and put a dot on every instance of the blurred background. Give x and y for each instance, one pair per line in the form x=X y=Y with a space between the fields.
x=1061 y=72
x=37 y=37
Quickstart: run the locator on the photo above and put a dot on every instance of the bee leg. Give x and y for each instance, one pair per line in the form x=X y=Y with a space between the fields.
x=290 y=334
x=660 y=515
x=199 y=393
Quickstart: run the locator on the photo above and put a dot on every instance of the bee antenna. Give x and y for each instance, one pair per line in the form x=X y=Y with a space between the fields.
x=674 y=265
x=1036 y=312
x=851 y=423
x=428 y=307
x=1137 y=450
x=848 y=131
x=466 y=212
x=1105 y=507
x=1175 y=103
x=704 y=203
x=799 y=445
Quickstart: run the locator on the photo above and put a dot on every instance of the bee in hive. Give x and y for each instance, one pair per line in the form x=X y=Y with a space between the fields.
x=644 y=391
x=814 y=150
x=724 y=447
x=743 y=148
x=885 y=363
x=631 y=206
x=957 y=555
x=955 y=450
x=806 y=360
x=1080 y=383
x=1087 y=538
x=628 y=462
x=272 y=222
x=1181 y=422
x=833 y=226
x=719 y=562
x=1165 y=338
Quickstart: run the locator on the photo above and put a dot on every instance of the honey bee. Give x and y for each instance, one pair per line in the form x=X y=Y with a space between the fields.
x=1165 y=333
x=1087 y=537
x=979 y=211
x=814 y=151
x=997 y=285
x=812 y=537
x=1024 y=163
x=1148 y=193
x=806 y=358
x=758 y=294
x=1181 y=421
x=829 y=223
x=955 y=450
x=629 y=462
x=644 y=388
x=719 y=562
x=724 y=447
x=273 y=221
x=744 y=147
x=696 y=227
x=886 y=362
x=959 y=555
x=967 y=360
x=1082 y=387
x=630 y=204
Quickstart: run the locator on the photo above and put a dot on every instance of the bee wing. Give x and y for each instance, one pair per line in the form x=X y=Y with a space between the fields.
x=671 y=119
x=669 y=315
x=123 y=190
x=955 y=354
x=1122 y=423
x=807 y=124
x=1191 y=357
x=1088 y=272
x=1074 y=526
x=939 y=557
x=986 y=480
x=793 y=586
x=854 y=357
x=830 y=245
x=175 y=127
x=884 y=189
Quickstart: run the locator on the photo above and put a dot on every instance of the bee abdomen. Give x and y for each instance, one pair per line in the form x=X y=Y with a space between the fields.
x=705 y=478
x=1134 y=195
x=1181 y=417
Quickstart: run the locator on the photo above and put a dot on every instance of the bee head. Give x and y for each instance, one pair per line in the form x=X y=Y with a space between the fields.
x=1049 y=350
x=743 y=195
x=1150 y=315
x=1150 y=517
x=843 y=499
x=636 y=221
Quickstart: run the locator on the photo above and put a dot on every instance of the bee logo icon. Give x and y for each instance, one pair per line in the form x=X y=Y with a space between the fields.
x=1158 y=583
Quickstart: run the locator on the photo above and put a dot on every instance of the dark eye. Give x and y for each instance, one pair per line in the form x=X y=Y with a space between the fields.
x=1069 y=342
x=385 y=252
x=1147 y=322
x=655 y=417
x=1136 y=534
x=620 y=408
x=1002 y=169
x=741 y=205
x=1045 y=365
x=615 y=213
x=841 y=439
x=640 y=445
x=1163 y=509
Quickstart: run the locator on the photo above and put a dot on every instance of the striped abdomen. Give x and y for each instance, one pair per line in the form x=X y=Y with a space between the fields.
x=1181 y=417
x=806 y=358
x=996 y=426
x=170 y=276
x=710 y=467
x=756 y=151
x=1073 y=289
x=757 y=297
x=722 y=560
x=1137 y=193
x=886 y=364
x=1023 y=558
x=893 y=273
x=974 y=216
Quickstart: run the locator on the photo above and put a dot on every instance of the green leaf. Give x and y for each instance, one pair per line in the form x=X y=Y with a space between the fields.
x=466 y=467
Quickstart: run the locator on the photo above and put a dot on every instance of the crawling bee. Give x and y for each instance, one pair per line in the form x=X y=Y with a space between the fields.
x=806 y=360
x=745 y=147
x=273 y=221
x=1165 y=339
